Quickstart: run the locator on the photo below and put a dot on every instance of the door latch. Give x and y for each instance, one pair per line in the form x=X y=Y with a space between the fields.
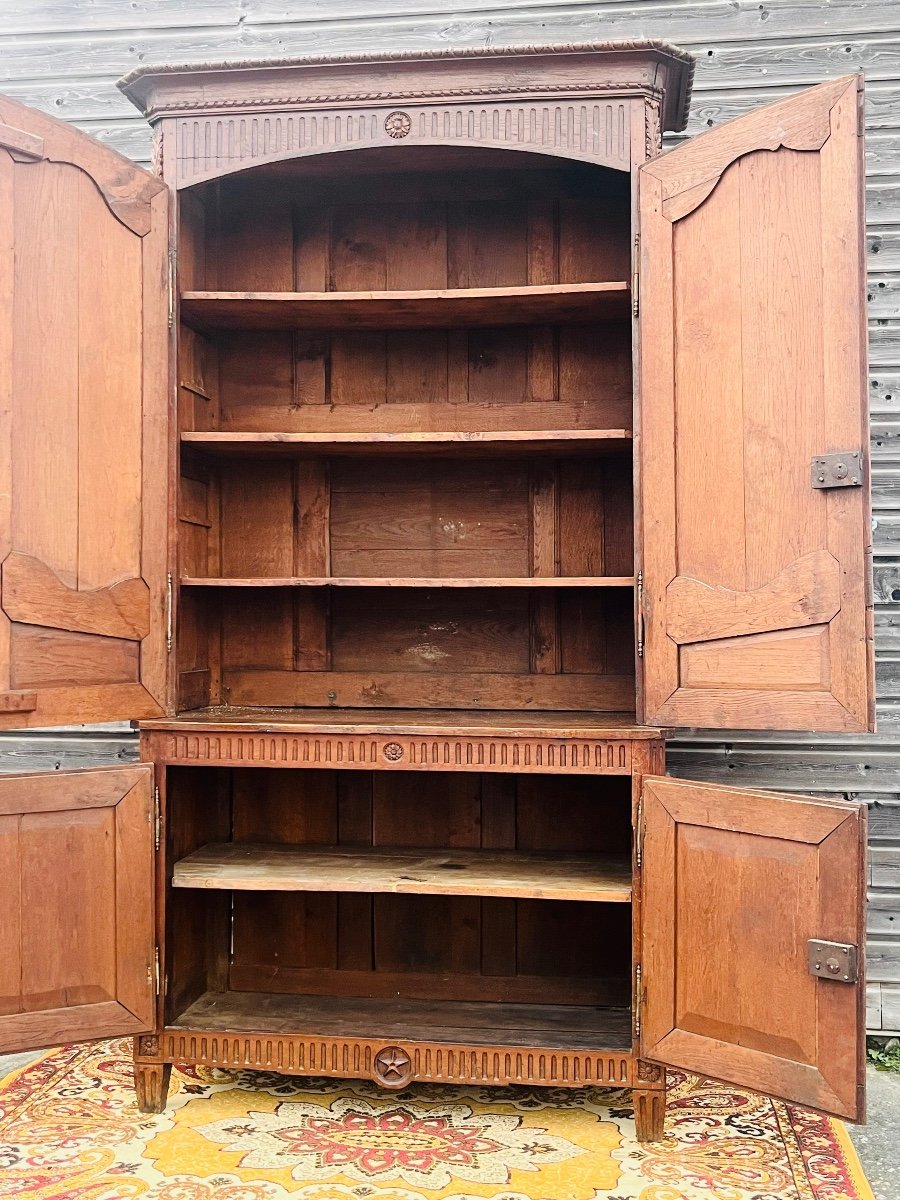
x=833 y=960
x=845 y=468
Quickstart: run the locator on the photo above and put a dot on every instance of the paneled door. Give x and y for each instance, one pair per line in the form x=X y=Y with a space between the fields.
x=753 y=364
x=77 y=947
x=83 y=428
x=754 y=940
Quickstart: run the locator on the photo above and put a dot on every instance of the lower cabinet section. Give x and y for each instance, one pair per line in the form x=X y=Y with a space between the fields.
x=444 y=927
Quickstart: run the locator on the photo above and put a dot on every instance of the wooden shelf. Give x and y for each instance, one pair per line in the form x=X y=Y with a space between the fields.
x=559 y=1026
x=530 y=581
x=503 y=442
x=546 y=304
x=252 y=867
x=405 y=722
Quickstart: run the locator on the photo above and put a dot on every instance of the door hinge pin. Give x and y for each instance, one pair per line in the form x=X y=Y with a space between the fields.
x=636 y=279
x=639 y=834
x=638 y=1000
x=153 y=973
x=157 y=819
x=169 y=617
x=171 y=288
x=640 y=614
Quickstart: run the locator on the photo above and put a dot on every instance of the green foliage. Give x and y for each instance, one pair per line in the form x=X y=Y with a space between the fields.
x=884 y=1056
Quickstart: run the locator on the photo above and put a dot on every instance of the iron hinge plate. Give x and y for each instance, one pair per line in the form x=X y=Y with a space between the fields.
x=844 y=468
x=153 y=973
x=640 y=614
x=838 y=961
x=639 y=834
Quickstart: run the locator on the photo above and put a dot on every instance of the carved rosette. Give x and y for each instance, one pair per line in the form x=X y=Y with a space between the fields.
x=147 y=1045
x=393 y=752
x=392 y=1067
x=397 y=124
x=649 y=1072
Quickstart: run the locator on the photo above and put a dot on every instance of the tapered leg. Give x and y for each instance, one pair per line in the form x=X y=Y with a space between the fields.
x=151 y=1084
x=649 y=1114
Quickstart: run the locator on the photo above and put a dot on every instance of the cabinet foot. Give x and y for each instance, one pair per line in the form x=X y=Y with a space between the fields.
x=649 y=1114
x=151 y=1085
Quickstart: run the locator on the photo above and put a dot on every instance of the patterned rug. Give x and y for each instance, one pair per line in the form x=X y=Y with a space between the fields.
x=69 y=1130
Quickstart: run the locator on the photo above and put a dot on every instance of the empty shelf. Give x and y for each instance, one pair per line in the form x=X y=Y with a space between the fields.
x=545 y=304
x=558 y=1026
x=497 y=442
x=414 y=581
x=253 y=867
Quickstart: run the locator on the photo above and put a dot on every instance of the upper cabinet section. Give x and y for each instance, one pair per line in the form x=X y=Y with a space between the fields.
x=83 y=423
x=603 y=103
x=753 y=422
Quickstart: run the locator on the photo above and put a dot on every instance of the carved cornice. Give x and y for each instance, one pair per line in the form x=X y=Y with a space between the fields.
x=628 y=67
x=424 y=1062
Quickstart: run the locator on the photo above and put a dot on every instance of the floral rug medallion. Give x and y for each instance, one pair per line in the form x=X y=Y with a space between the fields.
x=70 y=1130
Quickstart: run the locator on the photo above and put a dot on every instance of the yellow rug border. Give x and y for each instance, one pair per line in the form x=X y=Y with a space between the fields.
x=854 y=1166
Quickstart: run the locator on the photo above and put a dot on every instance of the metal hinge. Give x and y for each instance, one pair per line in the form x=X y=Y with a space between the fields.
x=860 y=111
x=636 y=278
x=870 y=577
x=638 y=1000
x=639 y=832
x=153 y=973
x=169 y=618
x=171 y=288
x=640 y=614
x=157 y=820
x=833 y=960
x=845 y=468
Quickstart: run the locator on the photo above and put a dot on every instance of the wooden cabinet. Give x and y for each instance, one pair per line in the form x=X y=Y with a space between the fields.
x=407 y=455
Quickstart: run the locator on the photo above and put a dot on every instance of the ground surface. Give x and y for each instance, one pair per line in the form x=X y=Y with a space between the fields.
x=877 y=1143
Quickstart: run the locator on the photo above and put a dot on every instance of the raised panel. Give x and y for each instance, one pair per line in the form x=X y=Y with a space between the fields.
x=753 y=359
x=736 y=884
x=77 y=936
x=83 y=430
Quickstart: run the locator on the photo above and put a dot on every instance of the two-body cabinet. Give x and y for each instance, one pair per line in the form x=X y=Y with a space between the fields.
x=406 y=454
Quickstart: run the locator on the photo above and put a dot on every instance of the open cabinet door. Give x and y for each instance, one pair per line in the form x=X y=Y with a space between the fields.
x=753 y=940
x=83 y=428
x=77 y=951
x=754 y=433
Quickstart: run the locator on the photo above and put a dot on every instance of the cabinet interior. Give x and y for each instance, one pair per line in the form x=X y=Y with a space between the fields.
x=385 y=501
x=542 y=968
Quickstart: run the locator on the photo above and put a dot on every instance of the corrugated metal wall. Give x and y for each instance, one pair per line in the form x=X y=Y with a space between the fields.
x=64 y=56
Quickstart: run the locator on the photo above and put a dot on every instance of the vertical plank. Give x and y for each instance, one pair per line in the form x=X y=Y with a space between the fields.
x=7 y=342
x=45 y=418
x=11 y=925
x=543 y=267
x=312 y=557
x=543 y=609
x=109 y=448
x=355 y=950
x=498 y=917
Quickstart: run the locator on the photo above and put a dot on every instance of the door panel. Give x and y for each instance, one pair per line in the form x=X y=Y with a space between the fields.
x=753 y=362
x=736 y=884
x=77 y=947
x=83 y=428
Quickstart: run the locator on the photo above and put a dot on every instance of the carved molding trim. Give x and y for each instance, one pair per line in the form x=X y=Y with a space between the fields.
x=379 y=752
x=592 y=130
x=652 y=125
x=360 y=1058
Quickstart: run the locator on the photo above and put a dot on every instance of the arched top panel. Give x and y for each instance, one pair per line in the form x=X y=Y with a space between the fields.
x=597 y=131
